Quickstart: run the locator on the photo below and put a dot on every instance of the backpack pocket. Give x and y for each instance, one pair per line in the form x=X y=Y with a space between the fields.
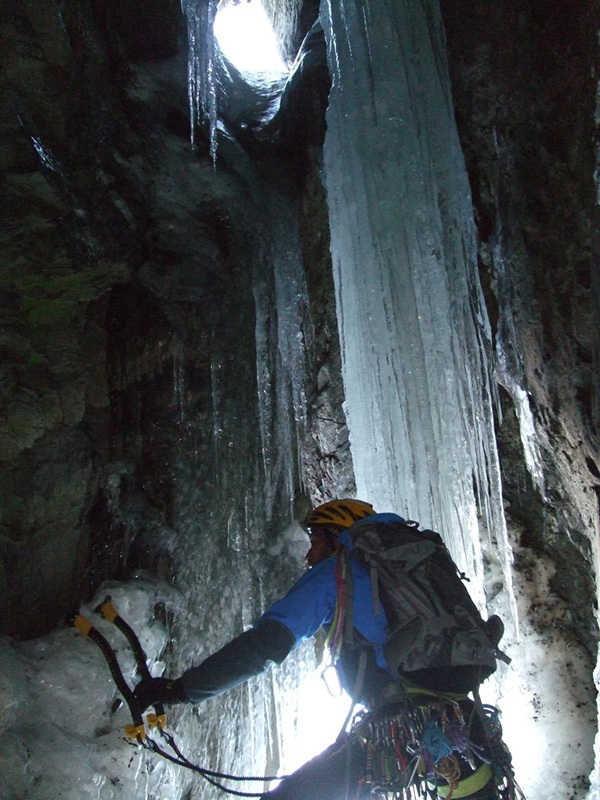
x=472 y=647
x=401 y=641
x=411 y=646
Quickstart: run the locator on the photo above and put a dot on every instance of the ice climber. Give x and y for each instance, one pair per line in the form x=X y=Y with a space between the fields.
x=411 y=664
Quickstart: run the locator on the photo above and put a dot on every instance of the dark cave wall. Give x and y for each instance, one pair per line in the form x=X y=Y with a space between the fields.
x=524 y=82
x=128 y=417
x=106 y=295
x=73 y=217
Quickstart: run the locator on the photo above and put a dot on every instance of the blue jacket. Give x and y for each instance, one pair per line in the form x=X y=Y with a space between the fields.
x=308 y=605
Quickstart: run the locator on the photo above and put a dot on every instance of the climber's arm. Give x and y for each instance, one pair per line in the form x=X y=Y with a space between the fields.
x=247 y=655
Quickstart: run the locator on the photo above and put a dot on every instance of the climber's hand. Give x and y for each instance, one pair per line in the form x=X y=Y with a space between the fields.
x=150 y=691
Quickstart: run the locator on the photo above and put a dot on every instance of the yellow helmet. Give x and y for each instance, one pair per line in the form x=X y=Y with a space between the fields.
x=343 y=513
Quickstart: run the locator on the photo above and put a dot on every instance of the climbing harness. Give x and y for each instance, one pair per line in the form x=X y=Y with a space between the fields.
x=422 y=747
x=155 y=721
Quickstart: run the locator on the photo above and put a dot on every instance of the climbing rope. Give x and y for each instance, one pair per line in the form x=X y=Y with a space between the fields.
x=210 y=776
x=449 y=769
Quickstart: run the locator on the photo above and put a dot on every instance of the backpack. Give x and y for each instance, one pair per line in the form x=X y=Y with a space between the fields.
x=437 y=637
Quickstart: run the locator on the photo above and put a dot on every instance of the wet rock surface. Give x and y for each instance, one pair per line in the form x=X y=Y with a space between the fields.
x=128 y=317
x=524 y=84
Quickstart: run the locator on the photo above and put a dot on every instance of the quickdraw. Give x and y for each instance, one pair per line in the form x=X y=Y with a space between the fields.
x=157 y=720
x=423 y=747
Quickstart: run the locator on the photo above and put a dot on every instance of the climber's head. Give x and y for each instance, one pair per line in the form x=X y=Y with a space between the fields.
x=325 y=523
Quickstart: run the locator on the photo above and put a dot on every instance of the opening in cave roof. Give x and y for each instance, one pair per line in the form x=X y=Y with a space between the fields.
x=246 y=38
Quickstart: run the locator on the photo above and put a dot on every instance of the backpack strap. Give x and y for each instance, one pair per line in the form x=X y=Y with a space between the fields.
x=443 y=619
x=341 y=627
x=374 y=585
x=356 y=690
x=414 y=557
x=347 y=580
x=411 y=554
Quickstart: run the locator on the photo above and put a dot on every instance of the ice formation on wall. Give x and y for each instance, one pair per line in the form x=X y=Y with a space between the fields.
x=236 y=549
x=202 y=81
x=415 y=335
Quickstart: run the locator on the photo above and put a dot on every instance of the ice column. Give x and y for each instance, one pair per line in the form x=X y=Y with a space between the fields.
x=413 y=325
x=282 y=334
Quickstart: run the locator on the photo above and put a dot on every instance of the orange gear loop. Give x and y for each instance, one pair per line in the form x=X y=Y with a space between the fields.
x=137 y=732
x=82 y=624
x=108 y=611
x=157 y=721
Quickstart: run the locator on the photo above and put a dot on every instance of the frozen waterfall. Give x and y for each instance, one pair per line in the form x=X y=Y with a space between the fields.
x=414 y=330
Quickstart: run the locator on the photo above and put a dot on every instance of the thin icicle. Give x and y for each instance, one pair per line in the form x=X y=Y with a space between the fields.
x=282 y=336
x=202 y=80
x=510 y=366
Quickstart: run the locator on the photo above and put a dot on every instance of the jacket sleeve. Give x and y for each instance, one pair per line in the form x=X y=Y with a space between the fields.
x=244 y=657
x=309 y=604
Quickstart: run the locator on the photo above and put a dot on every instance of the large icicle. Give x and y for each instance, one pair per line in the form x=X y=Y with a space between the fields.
x=282 y=332
x=414 y=331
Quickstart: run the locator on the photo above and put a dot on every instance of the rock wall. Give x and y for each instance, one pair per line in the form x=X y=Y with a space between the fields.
x=74 y=214
x=129 y=416
x=524 y=82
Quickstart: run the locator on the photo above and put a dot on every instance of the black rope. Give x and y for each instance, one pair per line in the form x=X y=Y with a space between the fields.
x=265 y=778
x=207 y=774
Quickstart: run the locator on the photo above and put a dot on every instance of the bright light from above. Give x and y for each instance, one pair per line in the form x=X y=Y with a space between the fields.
x=247 y=39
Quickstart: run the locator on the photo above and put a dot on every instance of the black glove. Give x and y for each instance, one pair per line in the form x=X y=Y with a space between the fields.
x=150 y=691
